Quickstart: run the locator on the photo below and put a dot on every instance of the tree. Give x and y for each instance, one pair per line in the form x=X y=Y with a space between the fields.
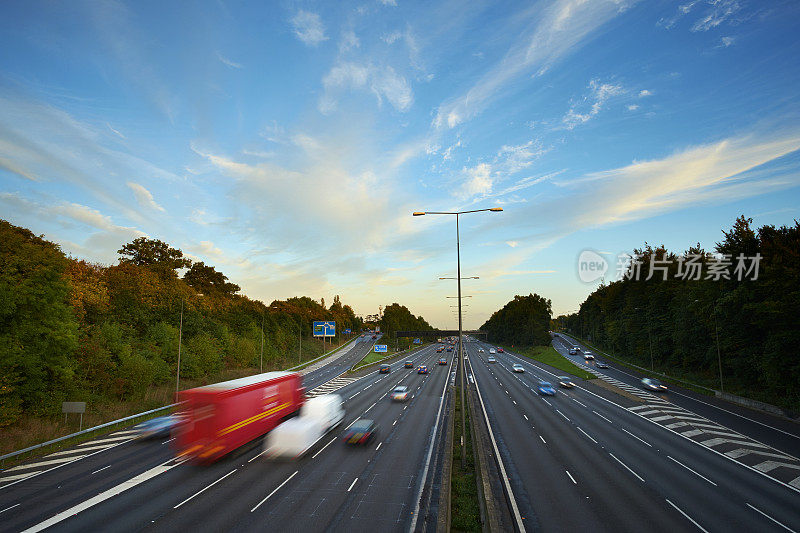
x=206 y=279
x=153 y=253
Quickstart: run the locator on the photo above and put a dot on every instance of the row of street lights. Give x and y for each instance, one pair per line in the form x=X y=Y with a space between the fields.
x=460 y=350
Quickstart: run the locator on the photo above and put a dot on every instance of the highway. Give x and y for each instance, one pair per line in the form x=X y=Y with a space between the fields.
x=583 y=460
x=140 y=485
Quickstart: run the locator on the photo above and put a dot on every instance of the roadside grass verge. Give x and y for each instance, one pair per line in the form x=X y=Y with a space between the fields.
x=465 y=513
x=549 y=356
x=374 y=357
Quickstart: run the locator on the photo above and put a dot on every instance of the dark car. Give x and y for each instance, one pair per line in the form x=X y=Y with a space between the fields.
x=602 y=365
x=422 y=369
x=449 y=348
x=159 y=427
x=500 y=350
x=361 y=432
x=374 y=336
x=442 y=361
x=409 y=364
x=385 y=369
x=440 y=349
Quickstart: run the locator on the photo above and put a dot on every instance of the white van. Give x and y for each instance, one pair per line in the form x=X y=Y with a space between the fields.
x=326 y=409
x=295 y=437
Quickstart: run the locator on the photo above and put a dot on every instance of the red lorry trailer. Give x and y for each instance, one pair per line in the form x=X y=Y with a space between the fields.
x=221 y=417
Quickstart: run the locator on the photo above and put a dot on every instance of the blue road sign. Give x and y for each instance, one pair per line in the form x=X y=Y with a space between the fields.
x=347 y=332
x=417 y=341
x=324 y=329
x=380 y=348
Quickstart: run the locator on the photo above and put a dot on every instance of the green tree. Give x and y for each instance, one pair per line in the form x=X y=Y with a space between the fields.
x=153 y=253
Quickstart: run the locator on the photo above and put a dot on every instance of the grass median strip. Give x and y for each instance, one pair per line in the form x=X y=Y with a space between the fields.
x=464 y=506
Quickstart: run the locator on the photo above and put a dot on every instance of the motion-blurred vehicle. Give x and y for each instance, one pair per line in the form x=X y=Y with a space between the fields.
x=492 y=359
x=546 y=389
x=361 y=432
x=385 y=369
x=601 y=364
x=159 y=427
x=400 y=393
x=223 y=416
x=653 y=385
x=409 y=364
x=442 y=361
x=295 y=437
x=566 y=382
x=516 y=367
x=500 y=350
x=422 y=369
x=492 y=350
x=588 y=356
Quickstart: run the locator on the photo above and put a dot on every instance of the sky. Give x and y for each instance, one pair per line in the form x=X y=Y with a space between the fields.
x=288 y=143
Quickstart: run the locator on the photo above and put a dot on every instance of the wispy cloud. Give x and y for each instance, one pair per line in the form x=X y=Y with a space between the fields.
x=349 y=41
x=144 y=197
x=308 y=28
x=117 y=133
x=588 y=108
x=382 y=82
x=225 y=61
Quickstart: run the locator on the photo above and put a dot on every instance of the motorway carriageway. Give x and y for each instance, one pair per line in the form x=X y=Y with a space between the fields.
x=140 y=485
x=582 y=461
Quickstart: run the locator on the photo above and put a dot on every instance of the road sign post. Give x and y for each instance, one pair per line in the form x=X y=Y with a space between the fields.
x=74 y=407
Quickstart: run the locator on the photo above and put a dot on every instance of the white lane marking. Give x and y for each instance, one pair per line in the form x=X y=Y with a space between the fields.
x=753 y=508
x=352 y=485
x=274 y=491
x=110 y=439
x=689 y=518
x=515 y=403
x=548 y=403
x=45 y=463
x=395 y=422
x=562 y=414
x=170 y=440
x=100 y=470
x=590 y=437
x=370 y=407
x=127 y=432
x=626 y=466
x=7 y=508
x=379 y=445
x=113 y=491
x=205 y=489
x=542 y=439
x=601 y=416
x=79 y=450
x=405 y=407
x=20 y=477
x=579 y=403
x=257 y=456
x=526 y=416
x=692 y=471
x=635 y=437
x=572 y=478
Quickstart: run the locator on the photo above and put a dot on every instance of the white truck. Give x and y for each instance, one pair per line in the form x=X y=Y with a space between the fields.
x=295 y=437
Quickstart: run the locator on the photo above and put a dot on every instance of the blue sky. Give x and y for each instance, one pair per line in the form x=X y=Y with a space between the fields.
x=288 y=143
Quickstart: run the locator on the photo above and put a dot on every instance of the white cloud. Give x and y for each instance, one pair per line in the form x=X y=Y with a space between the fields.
x=512 y=159
x=599 y=94
x=143 y=196
x=308 y=28
x=388 y=2
x=349 y=41
x=117 y=133
x=558 y=29
x=728 y=41
x=719 y=12
x=383 y=82
x=391 y=38
x=225 y=61
x=644 y=92
x=633 y=107
x=512 y=244
x=476 y=180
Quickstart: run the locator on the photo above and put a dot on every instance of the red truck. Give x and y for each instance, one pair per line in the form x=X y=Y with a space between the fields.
x=218 y=418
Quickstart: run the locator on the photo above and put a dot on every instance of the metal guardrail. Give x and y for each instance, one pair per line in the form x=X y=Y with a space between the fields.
x=131 y=417
x=85 y=431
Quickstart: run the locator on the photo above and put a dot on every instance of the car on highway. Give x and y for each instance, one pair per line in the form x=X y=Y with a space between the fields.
x=400 y=393
x=500 y=350
x=442 y=361
x=480 y=350
x=653 y=385
x=588 y=356
x=385 y=369
x=409 y=364
x=573 y=351
x=422 y=369
x=159 y=427
x=449 y=348
x=601 y=364
x=492 y=359
x=516 y=367
x=545 y=388
x=361 y=432
x=492 y=350
x=566 y=382
x=440 y=349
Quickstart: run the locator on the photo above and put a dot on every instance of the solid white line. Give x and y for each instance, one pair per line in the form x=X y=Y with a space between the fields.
x=562 y=414
x=601 y=416
x=570 y=476
x=635 y=437
x=113 y=491
x=515 y=403
x=626 y=466
x=692 y=471
x=20 y=477
x=590 y=437
x=273 y=492
x=370 y=407
x=379 y=445
x=689 y=518
x=542 y=439
x=45 y=463
x=751 y=507
x=352 y=485
x=395 y=422
x=96 y=471
x=205 y=489
x=7 y=508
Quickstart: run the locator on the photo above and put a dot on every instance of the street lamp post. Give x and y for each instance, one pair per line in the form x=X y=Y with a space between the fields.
x=460 y=321
x=180 y=337
x=261 y=357
x=649 y=337
x=716 y=335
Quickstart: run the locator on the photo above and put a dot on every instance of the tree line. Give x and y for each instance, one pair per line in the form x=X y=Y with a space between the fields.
x=719 y=328
x=74 y=330
x=523 y=321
